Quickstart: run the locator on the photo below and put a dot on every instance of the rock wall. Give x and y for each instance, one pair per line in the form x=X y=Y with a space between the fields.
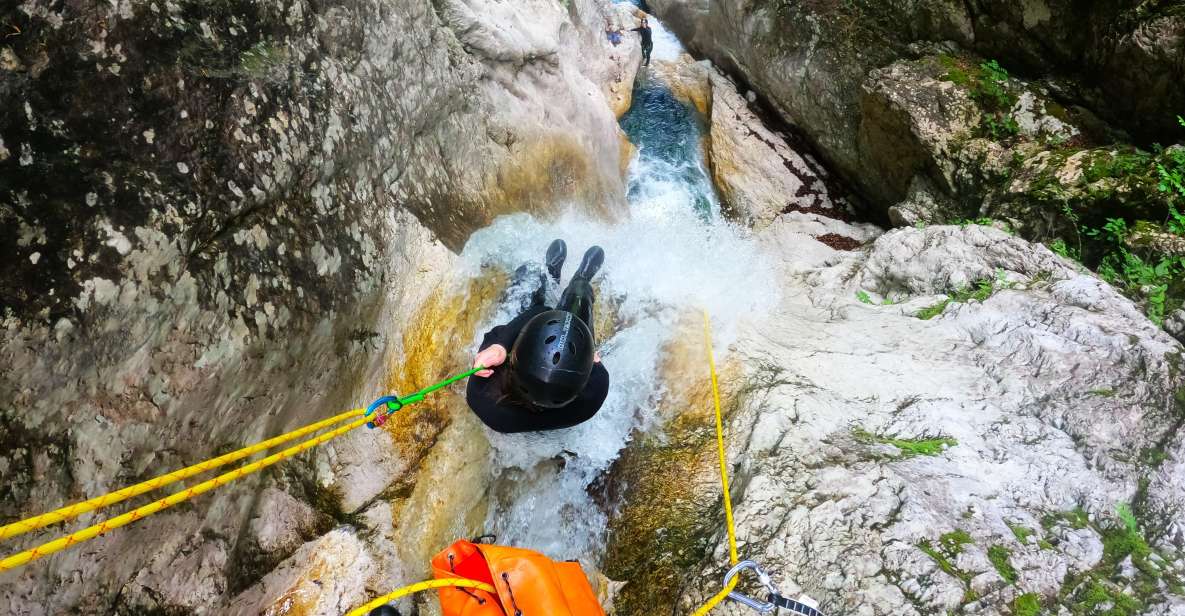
x=899 y=445
x=812 y=60
x=757 y=170
x=218 y=219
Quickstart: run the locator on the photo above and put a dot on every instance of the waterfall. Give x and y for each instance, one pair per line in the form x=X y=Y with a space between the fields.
x=672 y=256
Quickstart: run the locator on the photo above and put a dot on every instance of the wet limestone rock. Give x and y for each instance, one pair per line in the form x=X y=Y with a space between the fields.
x=940 y=451
x=756 y=170
x=328 y=576
x=225 y=235
x=758 y=173
x=810 y=59
x=689 y=81
x=625 y=60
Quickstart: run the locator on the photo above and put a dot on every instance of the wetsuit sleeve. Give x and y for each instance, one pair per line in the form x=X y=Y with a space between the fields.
x=505 y=335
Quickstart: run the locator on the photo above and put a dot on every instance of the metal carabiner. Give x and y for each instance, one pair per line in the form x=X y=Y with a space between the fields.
x=762 y=607
x=393 y=403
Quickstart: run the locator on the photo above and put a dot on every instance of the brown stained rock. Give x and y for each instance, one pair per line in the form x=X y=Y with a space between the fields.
x=840 y=242
x=756 y=170
x=689 y=81
x=838 y=214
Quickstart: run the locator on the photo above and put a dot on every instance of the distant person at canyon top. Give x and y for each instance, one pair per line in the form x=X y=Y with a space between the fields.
x=554 y=378
x=647 y=40
x=613 y=32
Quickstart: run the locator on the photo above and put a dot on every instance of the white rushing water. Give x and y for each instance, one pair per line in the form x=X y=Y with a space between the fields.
x=672 y=256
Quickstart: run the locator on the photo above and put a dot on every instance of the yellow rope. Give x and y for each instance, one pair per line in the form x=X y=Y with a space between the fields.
x=422 y=586
x=86 y=534
x=732 y=537
x=72 y=511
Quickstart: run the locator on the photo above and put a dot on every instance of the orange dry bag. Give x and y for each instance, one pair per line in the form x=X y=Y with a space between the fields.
x=528 y=583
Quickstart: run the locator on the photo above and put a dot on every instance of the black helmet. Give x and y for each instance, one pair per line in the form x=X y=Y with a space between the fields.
x=552 y=359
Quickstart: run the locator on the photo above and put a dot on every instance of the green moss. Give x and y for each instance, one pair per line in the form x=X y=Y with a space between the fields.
x=1126 y=197
x=1028 y=604
x=954 y=541
x=1121 y=164
x=929 y=312
x=923 y=447
x=863 y=297
x=910 y=447
x=999 y=556
x=1153 y=456
x=1077 y=517
x=1103 y=393
x=940 y=559
x=262 y=59
x=956 y=71
x=1097 y=593
x=979 y=292
x=1021 y=533
x=1124 y=540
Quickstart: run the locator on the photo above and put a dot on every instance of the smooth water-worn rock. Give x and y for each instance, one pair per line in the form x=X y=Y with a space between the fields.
x=218 y=219
x=758 y=173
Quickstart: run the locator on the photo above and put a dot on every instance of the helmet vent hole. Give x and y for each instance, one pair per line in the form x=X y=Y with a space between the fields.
x=550 y=339
x=555 y=359
x=571 y=348
x=554 y=322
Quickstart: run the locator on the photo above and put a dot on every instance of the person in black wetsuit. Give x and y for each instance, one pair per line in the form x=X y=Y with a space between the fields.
x=554 y=378
x=647 y=40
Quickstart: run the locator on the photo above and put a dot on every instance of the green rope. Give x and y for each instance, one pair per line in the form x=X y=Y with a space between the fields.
x=394 y=403
x=419 y=395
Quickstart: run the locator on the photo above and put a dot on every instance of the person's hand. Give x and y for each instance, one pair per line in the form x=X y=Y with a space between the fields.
x=493 y=355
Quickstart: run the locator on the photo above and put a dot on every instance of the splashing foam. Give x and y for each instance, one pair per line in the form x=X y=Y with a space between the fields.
x=670 y=257
x=661 y=263
x=666 y=45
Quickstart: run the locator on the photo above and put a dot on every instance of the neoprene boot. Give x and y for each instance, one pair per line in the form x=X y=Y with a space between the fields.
x=591 y=264
x=557 y=253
